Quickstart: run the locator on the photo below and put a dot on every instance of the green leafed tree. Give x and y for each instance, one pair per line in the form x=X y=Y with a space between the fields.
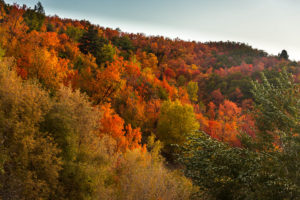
x=92 y=43
x=74 y=33
x=2 y=53
x=35 y=18
x=125 y=45
x=223 y=172
x=277 y=117
x=176 y=121
x=192 y=89
x=106 y=54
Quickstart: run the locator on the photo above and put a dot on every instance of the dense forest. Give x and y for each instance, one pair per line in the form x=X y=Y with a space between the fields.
x=88 y=112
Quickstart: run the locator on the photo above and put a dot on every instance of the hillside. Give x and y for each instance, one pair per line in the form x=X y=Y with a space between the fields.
x=88 y=112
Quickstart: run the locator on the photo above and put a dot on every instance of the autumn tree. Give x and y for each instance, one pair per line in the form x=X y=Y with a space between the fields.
x=47 y=68
x=12 y=30
x=107 y=83
x=217 y=96
x=113 y=125
x=148 y=61
x=131 y=107
x=2 y=3
x=143 y=175
x=226 y=122
x=73 y=123
x=30 y=162
x=231 y=119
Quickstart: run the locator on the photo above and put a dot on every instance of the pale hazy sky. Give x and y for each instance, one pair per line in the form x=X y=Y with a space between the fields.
x=271 y=25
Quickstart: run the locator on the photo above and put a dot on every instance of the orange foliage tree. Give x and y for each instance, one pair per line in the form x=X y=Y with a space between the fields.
x=112 y=124
x=226 y=123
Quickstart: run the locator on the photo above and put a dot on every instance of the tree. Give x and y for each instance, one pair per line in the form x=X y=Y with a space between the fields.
x=284 y=55
x=227 y=122
x=277 y=108
x=2 y=3
x=175 y=123
x=223 y=172
x=131 y=107
x=217 y=96
x=74 y=124
x=277 y=119
x=148 y=61
x=35 y=18
x=74 y=33
x=47 y=68
x=113 y=125
x=192 y=89
x=39 y=8
x=12 y=30
x=142 y=175
x=92 y=43
x=29 y=160
x=125 y=45
x=106 y=54
x=231 y=120
x=107 y=83
x=2 y=53
x=89 y=42
x=181 y=80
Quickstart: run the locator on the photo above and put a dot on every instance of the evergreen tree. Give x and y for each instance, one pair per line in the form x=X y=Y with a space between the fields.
x=92 y=43
x=284 y=55
x=35 y=18
x=277 y=117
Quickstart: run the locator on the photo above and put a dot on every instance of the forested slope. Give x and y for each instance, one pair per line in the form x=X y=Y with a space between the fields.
x=88 y=112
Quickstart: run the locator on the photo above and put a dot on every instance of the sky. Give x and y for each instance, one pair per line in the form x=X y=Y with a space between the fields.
x=270 y=25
